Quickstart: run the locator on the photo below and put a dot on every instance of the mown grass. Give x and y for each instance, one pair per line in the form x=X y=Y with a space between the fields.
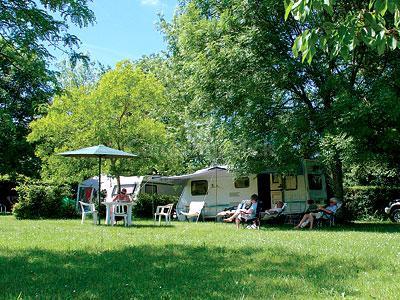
x=51 y=259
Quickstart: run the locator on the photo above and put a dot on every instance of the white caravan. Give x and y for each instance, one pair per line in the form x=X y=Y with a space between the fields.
x=219 y=188
x=135 y=185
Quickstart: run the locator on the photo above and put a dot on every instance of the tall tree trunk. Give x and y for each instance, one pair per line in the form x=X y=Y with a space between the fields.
x=337 y=177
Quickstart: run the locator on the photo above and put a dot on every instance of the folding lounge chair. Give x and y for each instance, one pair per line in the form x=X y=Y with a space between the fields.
x=329 y=218
x=195 y=209
x=264 y=216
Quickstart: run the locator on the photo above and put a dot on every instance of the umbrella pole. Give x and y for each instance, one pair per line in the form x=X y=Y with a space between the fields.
x=99 y=191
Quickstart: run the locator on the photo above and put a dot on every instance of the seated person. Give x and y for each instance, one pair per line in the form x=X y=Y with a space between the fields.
x=121 y=196
x=308 y=218
x=244 y=214
x=245 y=204
x=276 y=210
x=311 y=206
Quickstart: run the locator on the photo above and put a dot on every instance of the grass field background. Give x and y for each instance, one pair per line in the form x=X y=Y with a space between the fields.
x=63 y=259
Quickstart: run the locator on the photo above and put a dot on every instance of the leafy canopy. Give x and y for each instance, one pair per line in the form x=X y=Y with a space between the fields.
x=29 y=31
x=235 y=67
x=338 y=27
x=124 y=111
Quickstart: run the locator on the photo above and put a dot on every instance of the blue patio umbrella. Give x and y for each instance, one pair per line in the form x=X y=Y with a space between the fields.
x=99 y=152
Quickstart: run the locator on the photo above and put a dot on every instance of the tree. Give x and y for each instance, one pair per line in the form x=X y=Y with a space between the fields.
x=197 y=137
x=28 y=29
x=339 y=27
x=79 y=74
x=234 y=63
x=124 y=111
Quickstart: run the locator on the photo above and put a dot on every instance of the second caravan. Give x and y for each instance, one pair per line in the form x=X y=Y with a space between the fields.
x=135 y=185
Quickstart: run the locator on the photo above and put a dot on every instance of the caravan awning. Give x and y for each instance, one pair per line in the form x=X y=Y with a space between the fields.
x=199 y=173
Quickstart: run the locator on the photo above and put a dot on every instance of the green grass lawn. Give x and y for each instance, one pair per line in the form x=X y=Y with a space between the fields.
x=63 y=259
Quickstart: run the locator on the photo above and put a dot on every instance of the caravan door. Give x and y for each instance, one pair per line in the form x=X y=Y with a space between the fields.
x=276 y=189
x=315 y=181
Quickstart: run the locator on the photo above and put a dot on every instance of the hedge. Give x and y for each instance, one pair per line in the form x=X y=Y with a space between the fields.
x=146 y=202
x=368 y=202
x=40 y=200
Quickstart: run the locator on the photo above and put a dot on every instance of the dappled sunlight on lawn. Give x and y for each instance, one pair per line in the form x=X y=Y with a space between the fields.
x=62 y=259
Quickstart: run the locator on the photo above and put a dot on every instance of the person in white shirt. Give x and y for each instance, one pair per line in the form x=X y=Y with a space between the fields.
x=245 y=214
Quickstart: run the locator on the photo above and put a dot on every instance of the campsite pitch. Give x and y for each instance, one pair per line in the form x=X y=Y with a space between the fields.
x=63 y=259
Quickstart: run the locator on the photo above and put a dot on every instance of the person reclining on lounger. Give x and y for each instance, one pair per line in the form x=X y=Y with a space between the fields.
x=276 y=210
x=244 y=214
x=308 y=218
x=229 y=212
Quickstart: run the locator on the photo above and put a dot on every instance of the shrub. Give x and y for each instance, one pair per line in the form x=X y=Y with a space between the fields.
x=368 y=202
x=39 y=200
x=146 y=202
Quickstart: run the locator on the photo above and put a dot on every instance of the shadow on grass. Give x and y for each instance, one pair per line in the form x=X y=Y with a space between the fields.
x=365 y=227
x=360 y=227
x=176 y=272
x=138 y=225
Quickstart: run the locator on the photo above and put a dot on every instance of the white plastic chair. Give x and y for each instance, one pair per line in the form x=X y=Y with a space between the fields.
x=120 y=210
x=88 y=209
x=195 y=209
x=165 y=211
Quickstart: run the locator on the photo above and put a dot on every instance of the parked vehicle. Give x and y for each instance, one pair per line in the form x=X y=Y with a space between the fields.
x=393 y=210
x=135 y=185
x=220 y=188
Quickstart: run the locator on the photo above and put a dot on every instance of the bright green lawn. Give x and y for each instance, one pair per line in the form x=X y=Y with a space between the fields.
x=64 y=259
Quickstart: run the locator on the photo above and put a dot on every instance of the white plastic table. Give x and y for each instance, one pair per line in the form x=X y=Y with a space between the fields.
x=110 y=210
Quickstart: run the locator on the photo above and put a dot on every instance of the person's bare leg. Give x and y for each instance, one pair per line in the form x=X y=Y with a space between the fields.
x=237 y=220
x=230 y=219
x=302 y=221
x=311 y=218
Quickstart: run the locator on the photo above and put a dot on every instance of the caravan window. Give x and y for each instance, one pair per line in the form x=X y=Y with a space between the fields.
x=290 y=182
x=276 y=178
x=315 y=182
x=130 y=189
x=242 y=182
x=150 y=189
x=199 y=187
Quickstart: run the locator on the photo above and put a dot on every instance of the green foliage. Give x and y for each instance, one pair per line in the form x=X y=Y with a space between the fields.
x=124 y=110
x=368 y=202
x=22 y=91
x=195 y=135
x=30 y=27
x=266 y=110
x=339 y=27
x=28 y=30
x=41 y=200
x=147 y=202
x=80 y=74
